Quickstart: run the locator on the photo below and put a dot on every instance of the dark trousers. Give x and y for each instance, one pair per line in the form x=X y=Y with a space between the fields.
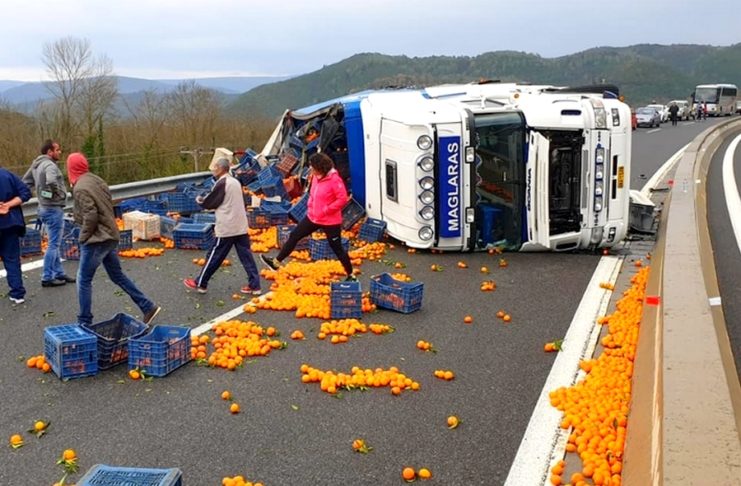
x=10 y=251
x=674 y=118
x=334 y=236
x=218 y=253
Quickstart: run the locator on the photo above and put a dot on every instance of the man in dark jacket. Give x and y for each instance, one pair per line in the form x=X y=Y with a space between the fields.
x=13 y=193
x=45 y=176
x=673 y=110
x=99 y=240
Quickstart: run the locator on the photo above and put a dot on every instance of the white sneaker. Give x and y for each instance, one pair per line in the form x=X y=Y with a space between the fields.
x=17 y=301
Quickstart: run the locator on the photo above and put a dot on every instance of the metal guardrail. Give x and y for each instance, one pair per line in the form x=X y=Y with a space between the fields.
x=128 y=190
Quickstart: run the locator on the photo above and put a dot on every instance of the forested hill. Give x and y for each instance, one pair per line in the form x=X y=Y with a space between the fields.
x=643 y=72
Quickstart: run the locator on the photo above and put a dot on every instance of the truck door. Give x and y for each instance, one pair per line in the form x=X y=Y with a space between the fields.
x=536 y=193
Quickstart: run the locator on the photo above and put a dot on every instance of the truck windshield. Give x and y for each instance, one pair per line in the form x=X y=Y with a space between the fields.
x=500 y=164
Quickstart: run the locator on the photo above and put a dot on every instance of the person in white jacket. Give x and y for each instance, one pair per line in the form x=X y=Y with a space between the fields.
x=231 y=231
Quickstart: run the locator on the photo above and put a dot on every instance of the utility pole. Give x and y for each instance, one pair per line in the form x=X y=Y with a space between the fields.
x=196 y=153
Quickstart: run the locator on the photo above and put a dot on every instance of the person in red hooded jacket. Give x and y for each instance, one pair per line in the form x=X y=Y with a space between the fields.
x=327 y=197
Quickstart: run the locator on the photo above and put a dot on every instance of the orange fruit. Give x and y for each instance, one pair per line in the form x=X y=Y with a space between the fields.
x=408 y=474
x=134 y=374
x=395 y=390
x=453 y=422
x=468 y=319
x=69 y=455
x=31 y=363
x=46 y=367
x=500 y=313
x=424 y=473
x=226 y=395
x=16 y=441
x=234 y=408
x=39 y=425
x=448 y=375
x=507 y=318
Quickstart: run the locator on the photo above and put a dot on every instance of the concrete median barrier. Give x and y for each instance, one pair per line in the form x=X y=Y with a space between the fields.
x=685 y=414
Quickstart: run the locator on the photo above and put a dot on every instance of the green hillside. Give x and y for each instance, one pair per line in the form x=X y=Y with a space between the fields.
x=643 y=72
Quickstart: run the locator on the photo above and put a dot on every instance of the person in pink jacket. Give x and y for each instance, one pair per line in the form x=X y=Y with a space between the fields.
x=327 y=197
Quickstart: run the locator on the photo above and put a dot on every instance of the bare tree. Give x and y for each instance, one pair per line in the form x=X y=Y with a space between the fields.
x=81 y=84
x=194 y=110
x=149 y=115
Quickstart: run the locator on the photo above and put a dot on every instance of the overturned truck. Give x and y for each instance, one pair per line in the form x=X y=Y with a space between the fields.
x=473 y=166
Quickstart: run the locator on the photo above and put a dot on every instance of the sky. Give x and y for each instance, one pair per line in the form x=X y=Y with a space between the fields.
x=160 y=39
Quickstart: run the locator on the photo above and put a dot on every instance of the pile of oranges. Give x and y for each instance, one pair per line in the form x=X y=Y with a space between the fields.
x=596 y=408
x=331 y=382
x=237 y=481
x=263 y=240
x=367 y=251
x=344 y=328
x=488 y=286
x=234 y=341
x=425 y=346
x=39 y=363
x=401 y=277
x=141 y=252
x=167 y=242
x=446 y=375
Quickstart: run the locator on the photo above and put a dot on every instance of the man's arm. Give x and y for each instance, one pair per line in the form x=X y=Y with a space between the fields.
x=214 y=198
x=28 y=178
x=24 y=193
x=89 y=212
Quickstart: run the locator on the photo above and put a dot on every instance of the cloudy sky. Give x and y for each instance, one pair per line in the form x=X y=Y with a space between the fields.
x=201 y=38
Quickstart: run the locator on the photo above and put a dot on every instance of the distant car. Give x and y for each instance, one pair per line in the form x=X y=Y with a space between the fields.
x=648 y=117
x=685 y=112
x=663 y=111
x=633 y=120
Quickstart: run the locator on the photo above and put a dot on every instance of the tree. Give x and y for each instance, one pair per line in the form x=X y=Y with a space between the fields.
x=83 y=87
x=194 y=110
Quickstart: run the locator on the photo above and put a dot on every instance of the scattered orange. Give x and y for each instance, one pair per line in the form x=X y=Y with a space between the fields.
x=408 y=474
x=453 y=422
x=134 y=374
x=16 y=441
x=69 y=455
x=424 y=473
x=226 y=395
x=234 y=408
x=468 y=319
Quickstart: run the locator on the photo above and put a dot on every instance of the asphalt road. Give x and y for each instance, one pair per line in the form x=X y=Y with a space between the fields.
x=290 y=433
x=725 y=247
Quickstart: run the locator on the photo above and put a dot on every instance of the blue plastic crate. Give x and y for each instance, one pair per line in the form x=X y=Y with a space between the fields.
x=161 y=351
x=193 y=236
x=299 y=210
x=159 y=207
x=125 y=239
x=167 y=225
x=71 y=351
x=102 y=475
x=275 y=188
x=31 y=242
x=346 y=300
x=70 y=246
x=351 y=213
x=113 y=338
x=69 y=226
x=287 y=162
x=284 y=231
x=133 y=204
x=372 y=230
x=182 y=202
x=278 y=215
x=268 y=175
x=254 y=186
x=258 y=218
x=320 y=249
x=389 y=293
x=204 y=218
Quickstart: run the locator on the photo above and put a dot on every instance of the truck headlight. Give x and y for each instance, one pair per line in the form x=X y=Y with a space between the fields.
x=599 y=155
x=598 y=203
x=427 y=183
x=426 y=163
x=427 y=197
x=424 y=142
x=425 y=233
x=427 y=213
x=600 y=114
x=470 y=155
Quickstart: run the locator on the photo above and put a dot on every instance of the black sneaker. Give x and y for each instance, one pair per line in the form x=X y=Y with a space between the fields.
x=271 y=263
x=67 y=279
x=149 y=316
x=351 y=278
x=56 y=282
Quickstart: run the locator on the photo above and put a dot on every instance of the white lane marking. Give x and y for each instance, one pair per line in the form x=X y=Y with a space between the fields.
x=544 y=440
x=25 y=267
x=663 y=170
x=206 y=326
x=654 y=130
x=733 y=200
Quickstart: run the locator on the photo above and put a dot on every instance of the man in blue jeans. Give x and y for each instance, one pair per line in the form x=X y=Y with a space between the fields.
x=99 y=240
x=13 y=193
x=45 y=176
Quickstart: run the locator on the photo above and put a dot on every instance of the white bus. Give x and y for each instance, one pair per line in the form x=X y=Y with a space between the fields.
x=720 y=98
x=466 y=167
